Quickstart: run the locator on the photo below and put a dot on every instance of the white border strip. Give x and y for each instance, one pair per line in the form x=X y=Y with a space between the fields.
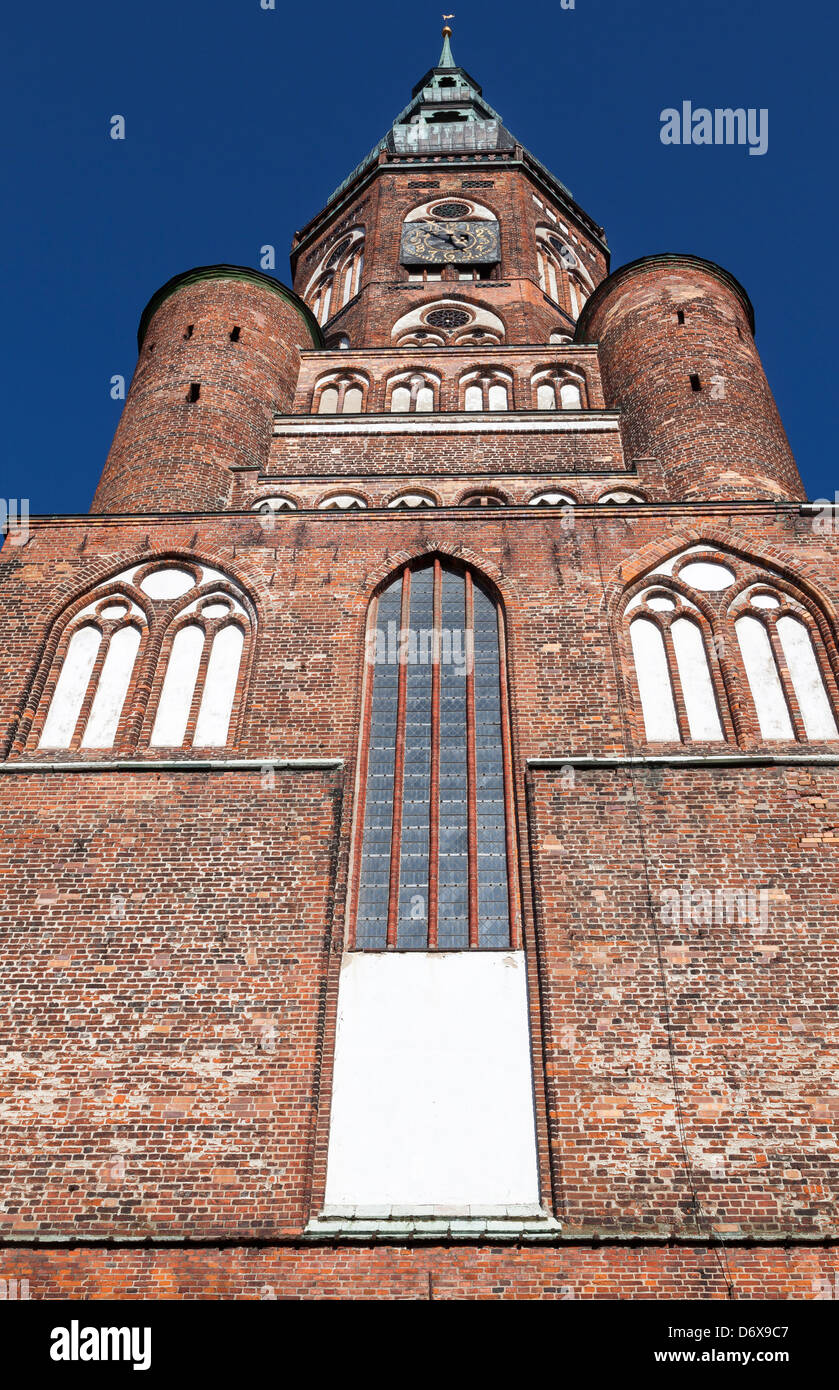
x=411 y=423
x=181 y=765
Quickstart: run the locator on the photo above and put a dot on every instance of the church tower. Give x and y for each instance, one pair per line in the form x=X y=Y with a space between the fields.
x=419 y=767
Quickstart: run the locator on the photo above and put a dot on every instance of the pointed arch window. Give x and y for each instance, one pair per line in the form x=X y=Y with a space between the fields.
x=94 y=690
x=672 y=669
x=434 y=858
x=562 y=275
x=693 y=647
x=95 y=664
x=337 y=278
x=778 y=645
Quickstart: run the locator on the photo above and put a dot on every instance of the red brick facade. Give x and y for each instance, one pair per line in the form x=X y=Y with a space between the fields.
x=174 y=919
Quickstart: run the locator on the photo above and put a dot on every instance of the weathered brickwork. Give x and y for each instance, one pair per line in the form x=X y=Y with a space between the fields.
x=528 y=314
x=422 y=1272
x=173 y=449
x=173 y=918
x=693 y=392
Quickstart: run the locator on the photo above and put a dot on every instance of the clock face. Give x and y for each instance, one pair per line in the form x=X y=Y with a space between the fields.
x=444 y=243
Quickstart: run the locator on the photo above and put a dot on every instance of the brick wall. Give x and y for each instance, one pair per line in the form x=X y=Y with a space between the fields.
x=173 y=452
x=396 y=1273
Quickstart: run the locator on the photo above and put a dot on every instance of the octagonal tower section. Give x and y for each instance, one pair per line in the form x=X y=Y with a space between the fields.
x=678 y=359
x=219 y=353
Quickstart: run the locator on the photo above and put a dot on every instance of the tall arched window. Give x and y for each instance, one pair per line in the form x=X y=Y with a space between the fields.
x=562 y=275
x=693 y=645
x=777 y=644
x=95 y=663
x=431 y=1101
x=178 y=630
x=337 y=278
x=433 y=870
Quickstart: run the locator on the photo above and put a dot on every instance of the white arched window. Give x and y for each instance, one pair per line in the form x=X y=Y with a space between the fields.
x=411 y=500
x=202 y=673
x=691 y=643
x=446 y=322
x=557 y=391
x=96 y=685
x=339 y=395
x=96 y=661
x=268 y=505
x=776 y=642
x=551 y=499
x=343 y=502
x=413 y=391
x=487 y=390
x=672 y=668
x=619 y=498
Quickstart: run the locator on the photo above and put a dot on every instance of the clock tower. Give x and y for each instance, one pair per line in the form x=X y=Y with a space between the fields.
x=467 y=230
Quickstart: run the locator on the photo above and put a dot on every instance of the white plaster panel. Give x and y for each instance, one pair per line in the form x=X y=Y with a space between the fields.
x=112 y=689
x=220 y=688
x=654 y=685
x=707 y=576
x=432 y=1096
x=764 y=681
x=178 y=687
x=71 y=688
x=806 y=678
x=167 y=583
x=697 y=688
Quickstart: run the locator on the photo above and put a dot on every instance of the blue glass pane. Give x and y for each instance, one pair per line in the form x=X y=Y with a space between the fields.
x=493 y=909
x=453 y=862
x=416 y=785
x=453 y=869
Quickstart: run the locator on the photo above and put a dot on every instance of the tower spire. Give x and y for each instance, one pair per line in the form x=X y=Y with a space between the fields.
x=446 y=59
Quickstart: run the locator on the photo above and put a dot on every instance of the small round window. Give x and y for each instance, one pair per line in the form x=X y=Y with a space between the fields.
x=450 y=210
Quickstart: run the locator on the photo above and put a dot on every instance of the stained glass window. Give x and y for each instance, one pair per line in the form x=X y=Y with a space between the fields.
x=433 y=870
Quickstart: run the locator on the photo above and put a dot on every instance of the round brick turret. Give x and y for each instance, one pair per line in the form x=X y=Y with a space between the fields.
x=678 y=358
x=219 y=354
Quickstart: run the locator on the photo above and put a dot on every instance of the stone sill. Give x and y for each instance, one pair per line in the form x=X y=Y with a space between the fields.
x=513 y=1223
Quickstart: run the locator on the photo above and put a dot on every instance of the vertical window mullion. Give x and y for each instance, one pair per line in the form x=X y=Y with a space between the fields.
x=786 y=681
x=434 y=780
x=471 y=774
x=200 y=685
x=676 y=684
x=90 y=691
x=398 y=768
x=363 y=772
x=509 y=806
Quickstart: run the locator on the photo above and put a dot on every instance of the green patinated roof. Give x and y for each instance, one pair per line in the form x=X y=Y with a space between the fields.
x=426 y=127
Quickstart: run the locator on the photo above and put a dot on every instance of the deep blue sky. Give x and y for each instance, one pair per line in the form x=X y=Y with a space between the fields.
x=241 y=121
